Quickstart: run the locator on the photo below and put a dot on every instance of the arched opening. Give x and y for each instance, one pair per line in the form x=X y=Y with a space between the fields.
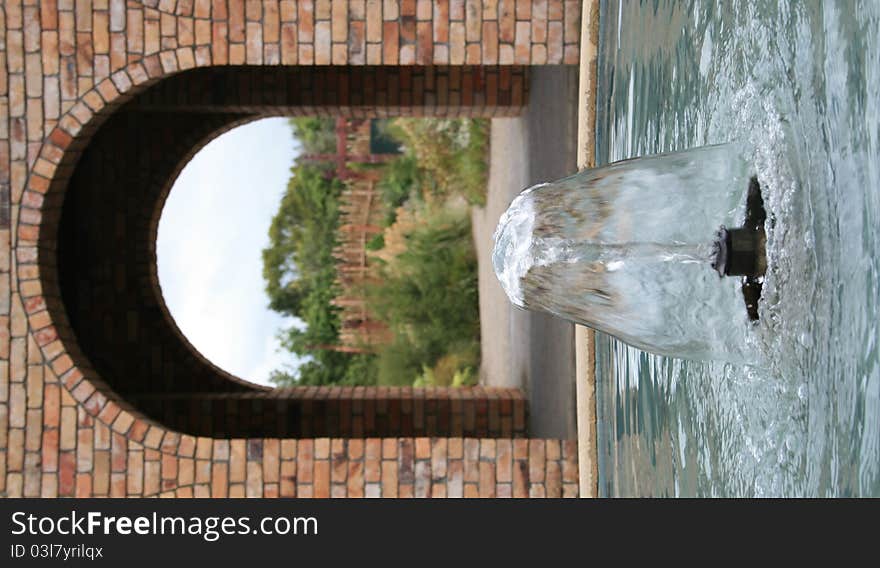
x=106 y=256
x=211 y=234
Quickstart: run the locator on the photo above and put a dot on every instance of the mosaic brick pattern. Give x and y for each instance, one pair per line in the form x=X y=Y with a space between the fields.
x=66 y=68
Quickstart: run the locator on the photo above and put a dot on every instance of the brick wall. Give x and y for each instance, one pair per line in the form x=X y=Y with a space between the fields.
x=77 y=283
x=342 y=412
x=362 y=92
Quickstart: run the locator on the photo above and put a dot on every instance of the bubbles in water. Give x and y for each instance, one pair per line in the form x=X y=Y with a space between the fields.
x=797 y=82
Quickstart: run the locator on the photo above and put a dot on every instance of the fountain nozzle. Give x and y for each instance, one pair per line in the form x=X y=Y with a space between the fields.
x=740 y=252
x=743 y=251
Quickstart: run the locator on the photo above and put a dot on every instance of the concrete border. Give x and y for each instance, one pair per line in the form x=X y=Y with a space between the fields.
x=585 y=347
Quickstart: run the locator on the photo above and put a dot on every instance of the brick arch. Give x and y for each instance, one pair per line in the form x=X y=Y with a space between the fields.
x=79 y=437
x=88 y=347
x=37 y=228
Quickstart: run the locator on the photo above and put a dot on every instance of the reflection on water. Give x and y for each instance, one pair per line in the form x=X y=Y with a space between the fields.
x=797 y=84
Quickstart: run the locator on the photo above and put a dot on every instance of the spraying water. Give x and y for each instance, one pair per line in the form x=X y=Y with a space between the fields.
x=628 y=249
x=799 y=84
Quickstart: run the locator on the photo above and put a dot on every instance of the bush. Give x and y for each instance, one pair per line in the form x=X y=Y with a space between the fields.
x=450 y=152
x=425 y=262
x=427 y=295
x=400 y=178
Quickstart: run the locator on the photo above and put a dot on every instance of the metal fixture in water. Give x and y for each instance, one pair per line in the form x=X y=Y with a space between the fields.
x=742 y=252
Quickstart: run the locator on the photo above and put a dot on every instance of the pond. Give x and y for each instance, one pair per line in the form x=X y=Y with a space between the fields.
x=798 y=84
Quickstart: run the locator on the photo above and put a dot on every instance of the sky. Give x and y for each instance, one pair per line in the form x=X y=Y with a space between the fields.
x=212 y=230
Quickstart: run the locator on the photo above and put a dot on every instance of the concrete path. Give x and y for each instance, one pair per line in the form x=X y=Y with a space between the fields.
x=525 y=349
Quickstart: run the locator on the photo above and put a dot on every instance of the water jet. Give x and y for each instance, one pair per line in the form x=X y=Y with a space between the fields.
x=634 y=249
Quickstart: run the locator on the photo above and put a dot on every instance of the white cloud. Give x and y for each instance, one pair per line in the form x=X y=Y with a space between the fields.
x=212 y=231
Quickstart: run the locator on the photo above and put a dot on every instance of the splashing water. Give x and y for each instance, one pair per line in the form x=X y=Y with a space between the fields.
x=799 y=84
x=627 y=249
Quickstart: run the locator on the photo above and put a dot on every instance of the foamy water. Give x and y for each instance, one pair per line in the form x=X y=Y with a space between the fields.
x=627 y=249
x=797 y=84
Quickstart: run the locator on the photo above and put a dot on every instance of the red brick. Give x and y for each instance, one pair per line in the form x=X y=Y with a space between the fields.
x=271 y=460
x=254 y=485
x=236 y=21
x=473 y=55
x=473 y=20
x=49 y=14
x=487 y=479
x=456 y=43
x=287 y=485
x=288 y=44
x=423 y=448
x=323 y=46
x=389 y=479
x=66 y=474
x=219 y=42
x=339 y=19
x=253 y=10
x=323 y=9
x=554 y=43
x=490 y=9
x=357 y=47
x=457 y=10
x=553 y=480
x=536 y=460
x=321 y=482
x=572 y=21
x=118 y=453
x=539 y=54
x=254 y=45
x=523 y=42
x=101 y=34
x=490 y=43
x=237 y=461
x=271 y=21
x=390 y=43
x=306 y=21
x=287 y=10
x=201 y=8
x=218 y=9
x=51 y=406
x=425 y=43
x=355 y=479
x=520 y=478
x=49 y=450
x=219 y=480
x=185 y=31
x=539 y=21
x=374 y=21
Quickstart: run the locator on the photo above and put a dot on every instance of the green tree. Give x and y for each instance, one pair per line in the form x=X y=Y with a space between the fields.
x=315 y=135
x=299 y=271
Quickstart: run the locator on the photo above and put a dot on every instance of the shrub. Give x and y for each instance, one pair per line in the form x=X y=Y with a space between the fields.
x=427 y=295
x=450 y=152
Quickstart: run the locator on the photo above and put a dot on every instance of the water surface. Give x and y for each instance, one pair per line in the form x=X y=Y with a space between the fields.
x=798 y=84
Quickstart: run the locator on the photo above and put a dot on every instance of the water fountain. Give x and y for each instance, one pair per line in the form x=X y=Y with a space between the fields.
x=636 y=248
x=797 y=83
